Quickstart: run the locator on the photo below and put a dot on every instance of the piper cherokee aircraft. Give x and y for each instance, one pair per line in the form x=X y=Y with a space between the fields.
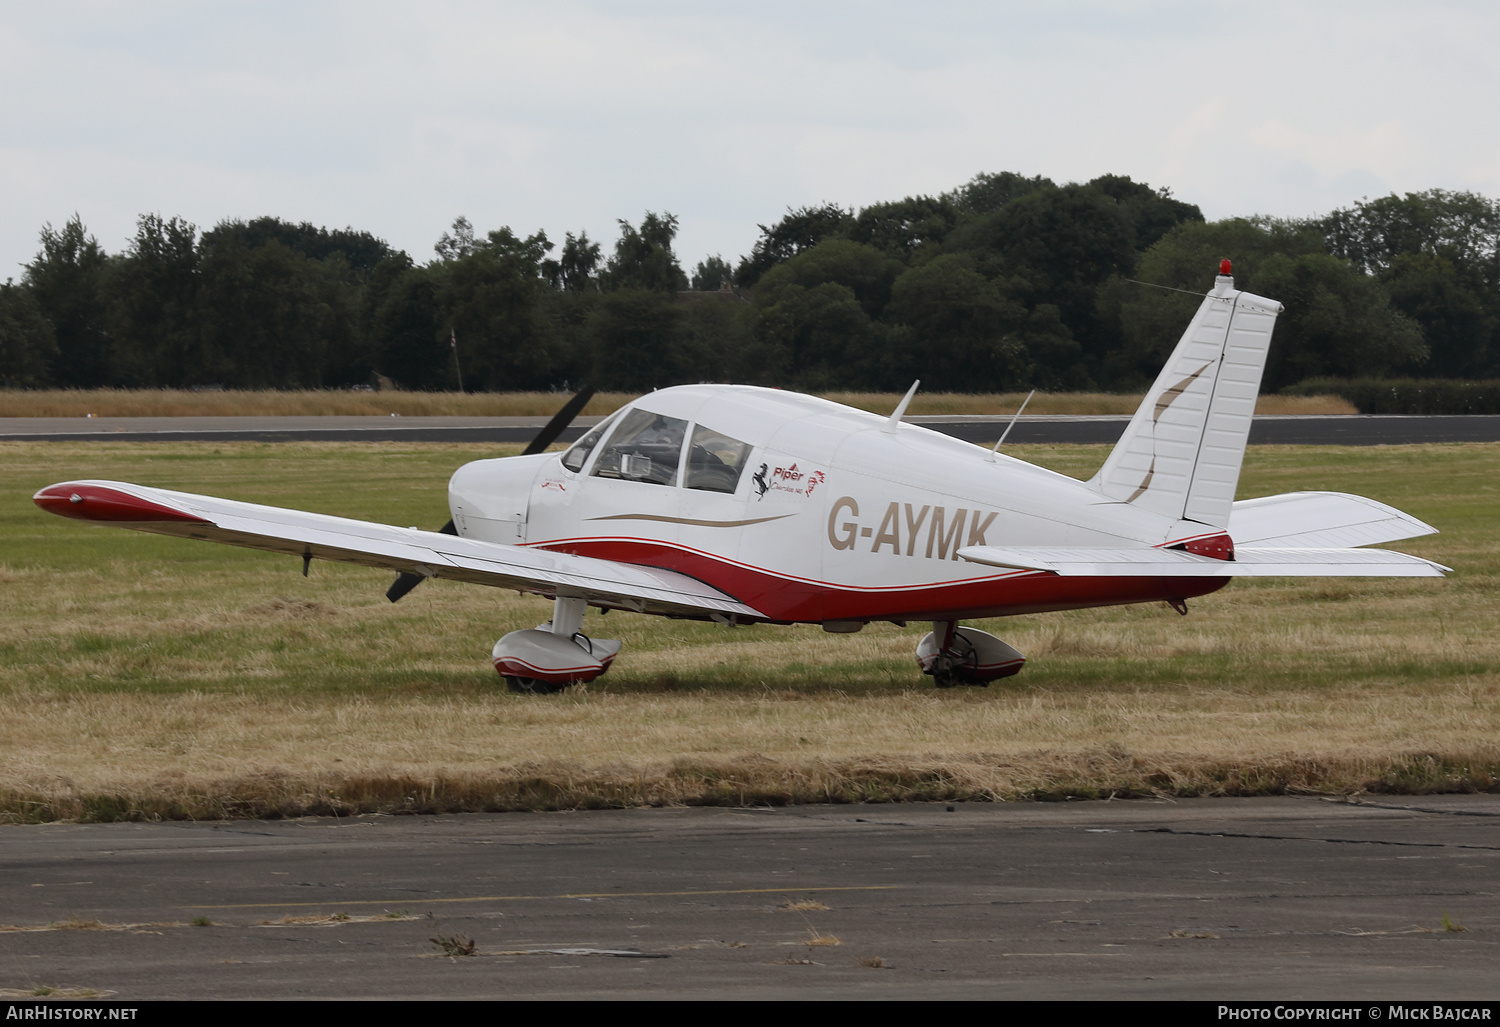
x=744 y=505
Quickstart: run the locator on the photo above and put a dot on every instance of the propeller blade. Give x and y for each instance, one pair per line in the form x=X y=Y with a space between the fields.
x=559 y=422
x=407 y=581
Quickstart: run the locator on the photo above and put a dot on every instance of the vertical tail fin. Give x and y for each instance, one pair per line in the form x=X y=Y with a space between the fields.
x=1181 y=454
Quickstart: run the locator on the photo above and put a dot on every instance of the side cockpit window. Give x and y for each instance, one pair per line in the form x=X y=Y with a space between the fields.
x=578 y=453
x=646 y=447
x=715 y=461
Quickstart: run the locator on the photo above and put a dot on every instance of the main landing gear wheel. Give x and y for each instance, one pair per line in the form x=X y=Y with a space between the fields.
x=957 y=665
x=531 y=686
x=952 y=680
x=954 y=655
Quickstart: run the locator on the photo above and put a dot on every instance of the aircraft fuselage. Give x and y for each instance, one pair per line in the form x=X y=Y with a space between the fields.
x=831 y=517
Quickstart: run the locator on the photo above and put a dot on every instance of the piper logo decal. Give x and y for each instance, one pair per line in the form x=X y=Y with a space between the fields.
x=787 y=479
x=901 y=528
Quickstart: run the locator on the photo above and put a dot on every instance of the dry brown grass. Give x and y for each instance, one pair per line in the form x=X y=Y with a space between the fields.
x=312 y=402
x=173 y=403
x=1078 y=403
x=83 y=925
x=216 y=756
x=63 y=994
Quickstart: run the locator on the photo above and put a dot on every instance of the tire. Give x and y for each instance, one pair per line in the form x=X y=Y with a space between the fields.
x=531 y=686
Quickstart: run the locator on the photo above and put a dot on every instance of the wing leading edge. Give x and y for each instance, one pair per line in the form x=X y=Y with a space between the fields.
x=428 y=553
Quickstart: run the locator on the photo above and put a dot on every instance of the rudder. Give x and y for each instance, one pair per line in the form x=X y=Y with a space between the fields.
x=1181 y=454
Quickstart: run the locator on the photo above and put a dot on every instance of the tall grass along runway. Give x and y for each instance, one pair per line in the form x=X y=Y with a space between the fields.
x=151 y=677
x=1038 y=429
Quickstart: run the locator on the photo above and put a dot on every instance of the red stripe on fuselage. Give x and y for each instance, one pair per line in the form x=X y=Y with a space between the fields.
x=785 y=598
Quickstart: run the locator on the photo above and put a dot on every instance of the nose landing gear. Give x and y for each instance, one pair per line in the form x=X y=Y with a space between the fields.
x=955 y=655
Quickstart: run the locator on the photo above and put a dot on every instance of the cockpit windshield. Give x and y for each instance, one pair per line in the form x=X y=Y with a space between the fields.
x=646 y=447
x=578 y=453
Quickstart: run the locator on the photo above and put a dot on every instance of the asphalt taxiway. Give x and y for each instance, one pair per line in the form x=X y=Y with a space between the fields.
x=1343 y=430
x=1284 y=898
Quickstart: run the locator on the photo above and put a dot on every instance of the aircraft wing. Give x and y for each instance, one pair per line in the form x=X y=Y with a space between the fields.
x=1320 y=520
x=1249 y=561
x=429 y=553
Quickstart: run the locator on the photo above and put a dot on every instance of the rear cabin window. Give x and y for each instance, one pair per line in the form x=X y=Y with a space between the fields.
x=646 y=447
x=715 y=461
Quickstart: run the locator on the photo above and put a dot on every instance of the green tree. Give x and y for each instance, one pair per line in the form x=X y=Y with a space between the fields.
x=638 y=343
x=154 y=308
x=67 y=282
x=1454 y=306
x=1438 y=255
x=1461 y=227
x=1057 y=247
x=963 y=332
x=720 y=344
x=530 y=252
x=1337 y=321
x=643 y=257
x=577 y=266
x=986 y=193
x=712 y=273
x=862 y=269
x=27 y=345
x=906 y=227
x=459 y=242
x=1152 y=213
x=492 y=301
x=269 y=311
x=822 y=338
x=409 y=330
x=360 y=251
x=1341 y=322
x=799 y=230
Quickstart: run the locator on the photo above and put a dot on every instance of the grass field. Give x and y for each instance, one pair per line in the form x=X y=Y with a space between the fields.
x=145 y=676
x=170 y=403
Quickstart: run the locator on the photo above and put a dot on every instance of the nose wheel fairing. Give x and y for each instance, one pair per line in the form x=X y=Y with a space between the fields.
x=955 y=655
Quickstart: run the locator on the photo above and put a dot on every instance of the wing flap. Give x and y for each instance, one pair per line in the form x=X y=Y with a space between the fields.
x=1249 y=561
x=429 y=553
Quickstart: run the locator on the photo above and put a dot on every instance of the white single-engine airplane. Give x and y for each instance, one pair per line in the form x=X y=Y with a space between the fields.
x=742 y=505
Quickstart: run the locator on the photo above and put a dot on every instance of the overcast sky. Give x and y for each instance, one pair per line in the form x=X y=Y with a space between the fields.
x=395 y=118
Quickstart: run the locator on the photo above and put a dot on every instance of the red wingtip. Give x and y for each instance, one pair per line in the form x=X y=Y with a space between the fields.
x=1226 y=268
x=99 y=503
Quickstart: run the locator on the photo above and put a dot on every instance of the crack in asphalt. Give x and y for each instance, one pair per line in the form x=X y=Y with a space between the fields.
x=1306 y=838
x=1422 y=809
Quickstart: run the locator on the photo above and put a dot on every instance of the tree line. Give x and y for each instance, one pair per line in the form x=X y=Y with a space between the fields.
x=1005 y=282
